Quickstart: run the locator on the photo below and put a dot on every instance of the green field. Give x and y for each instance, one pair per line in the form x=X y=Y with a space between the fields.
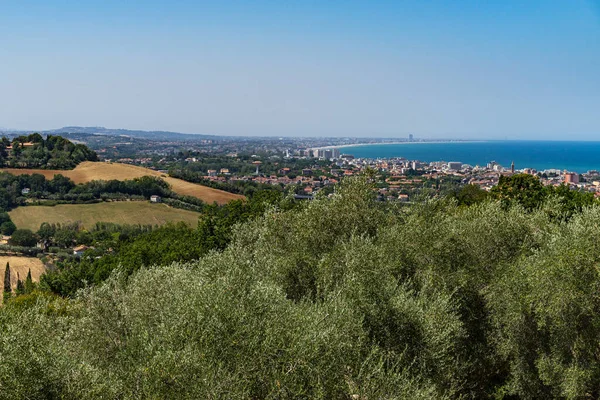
x=121 y=212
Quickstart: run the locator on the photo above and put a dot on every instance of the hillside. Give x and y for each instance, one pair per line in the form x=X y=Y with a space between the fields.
x=153 y=135
x=89 y=171
x=120 y=212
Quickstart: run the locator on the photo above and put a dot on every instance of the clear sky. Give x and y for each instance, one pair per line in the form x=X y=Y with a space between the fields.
x=438 y=69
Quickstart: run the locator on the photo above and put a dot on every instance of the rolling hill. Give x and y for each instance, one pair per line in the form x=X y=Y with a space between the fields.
x=153 y=135
x=88 y=171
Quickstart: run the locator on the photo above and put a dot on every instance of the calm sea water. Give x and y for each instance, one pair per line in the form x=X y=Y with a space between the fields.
x=541 y=155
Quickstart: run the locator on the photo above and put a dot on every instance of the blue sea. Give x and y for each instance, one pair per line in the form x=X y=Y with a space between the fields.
x=540 y=155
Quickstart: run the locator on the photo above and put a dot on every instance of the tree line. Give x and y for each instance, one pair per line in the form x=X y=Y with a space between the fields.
x=23 y=287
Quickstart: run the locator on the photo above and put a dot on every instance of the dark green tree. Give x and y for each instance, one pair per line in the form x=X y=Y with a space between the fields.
x=65 y=237
x=523 y=189
x=46 y=231
x=29 y=286
x=23 y=237
x=7 y=228
x=4 y=217
x=571 y=201
x=20 y=286
x=469 y=195
x=7 y=287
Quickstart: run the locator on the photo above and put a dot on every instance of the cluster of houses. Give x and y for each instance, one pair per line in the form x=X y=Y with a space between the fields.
x=485 y=176
x=315 y=178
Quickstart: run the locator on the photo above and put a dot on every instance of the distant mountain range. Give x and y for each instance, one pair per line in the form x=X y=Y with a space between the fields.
x=154 y=135
x=100 y=130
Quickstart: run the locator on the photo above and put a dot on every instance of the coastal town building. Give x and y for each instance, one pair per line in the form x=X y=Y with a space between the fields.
x=454 y=165
x=79 y=250
x=571 y=177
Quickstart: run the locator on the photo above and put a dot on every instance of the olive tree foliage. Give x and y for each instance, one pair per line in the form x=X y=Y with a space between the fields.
x=200 y=338
x=341 y=298
x=546 y=311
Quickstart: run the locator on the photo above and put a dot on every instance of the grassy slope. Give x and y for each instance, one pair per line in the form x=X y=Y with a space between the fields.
x=122 y=212
x=21 y=265
x=88 y=171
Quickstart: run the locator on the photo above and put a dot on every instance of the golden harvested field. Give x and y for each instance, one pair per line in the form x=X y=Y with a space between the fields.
x=21 y=265
x=89 y=171
x=120 y=212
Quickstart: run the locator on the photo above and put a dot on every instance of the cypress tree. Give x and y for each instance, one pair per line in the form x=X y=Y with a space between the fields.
x=7 y=288
x=7 y=278
x=20 y=287
x=28 y=283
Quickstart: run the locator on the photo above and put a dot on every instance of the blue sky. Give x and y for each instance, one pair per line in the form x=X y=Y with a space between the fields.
x=437 y=69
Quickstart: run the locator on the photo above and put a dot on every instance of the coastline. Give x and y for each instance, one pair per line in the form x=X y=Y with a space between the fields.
x=573 y=156
x=343 y=146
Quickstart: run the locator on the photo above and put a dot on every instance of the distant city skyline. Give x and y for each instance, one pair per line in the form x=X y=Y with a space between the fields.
x=437 y=70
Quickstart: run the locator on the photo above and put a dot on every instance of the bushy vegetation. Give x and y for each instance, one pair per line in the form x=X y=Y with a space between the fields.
x=7 y=227
x=133 y=247
x=528 y=192
x=338 y=298
x=32 y=151
x=23 y=237
x=102 y=233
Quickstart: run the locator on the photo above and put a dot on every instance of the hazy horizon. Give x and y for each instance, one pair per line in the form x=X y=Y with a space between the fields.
x=401 y=138
x=441 y=70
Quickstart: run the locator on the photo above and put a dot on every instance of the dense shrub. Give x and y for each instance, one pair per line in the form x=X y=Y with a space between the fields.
x=23 y=237
x=339 y=298
x=54 y=152
x=7 y=228
x=27 y=251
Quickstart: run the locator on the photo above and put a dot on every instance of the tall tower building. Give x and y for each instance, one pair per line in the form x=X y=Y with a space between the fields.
x=512 y=167
x=410 y=137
